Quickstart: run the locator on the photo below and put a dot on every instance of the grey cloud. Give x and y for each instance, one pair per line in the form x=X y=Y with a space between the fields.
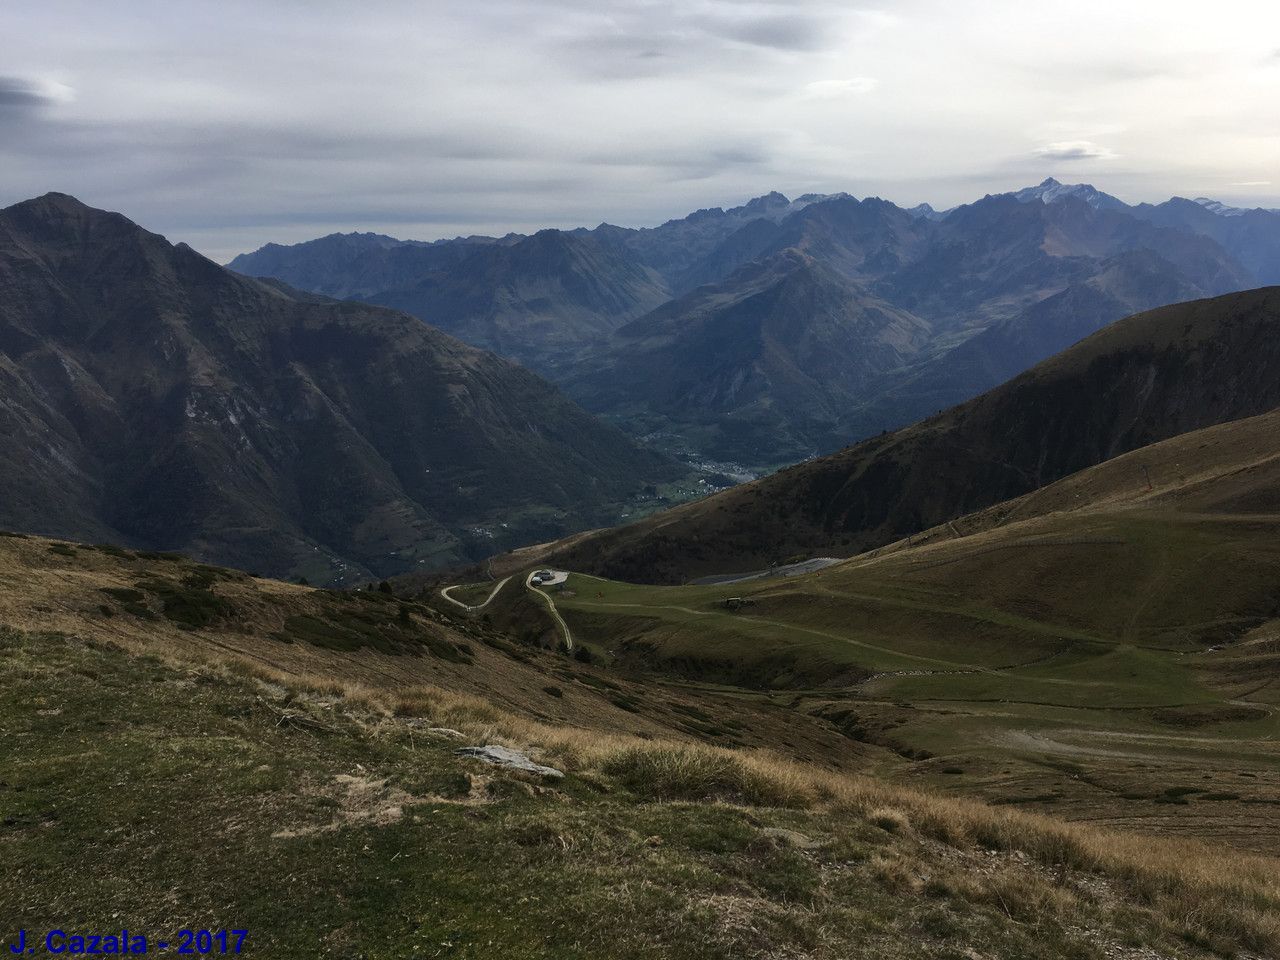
x=741 y=155
x=1075 y=150
x=16 y=92
x=779 y=32
x=667 y=37
x=242 y=144
x=685 y=158
x=626 y=57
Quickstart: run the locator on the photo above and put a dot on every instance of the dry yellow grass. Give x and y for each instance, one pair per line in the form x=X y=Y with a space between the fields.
x=1192 y=887
x=1195 y=890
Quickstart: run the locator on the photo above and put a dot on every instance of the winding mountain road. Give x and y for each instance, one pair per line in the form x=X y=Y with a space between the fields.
x=444 y=592
x=551 y=605
x=528 y=585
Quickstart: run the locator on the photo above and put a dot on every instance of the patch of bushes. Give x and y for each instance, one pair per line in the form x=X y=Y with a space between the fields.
x=197 y=580
x=351 y=630
x=189 y=607
x=909 y=753
x=123 y=594
x=511 y=650
x=626 y=701
x=343 y=632
x=444 y=650
x=690 y=711
x=112 y=550
x=133 y=601
x=156 y=555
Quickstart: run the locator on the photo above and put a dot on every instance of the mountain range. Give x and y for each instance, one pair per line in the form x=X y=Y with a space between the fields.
x=151 y=398
x=904 y=311
x=155 y=399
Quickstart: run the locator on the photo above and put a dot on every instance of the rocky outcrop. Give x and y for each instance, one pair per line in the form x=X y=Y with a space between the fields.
x=506 y=757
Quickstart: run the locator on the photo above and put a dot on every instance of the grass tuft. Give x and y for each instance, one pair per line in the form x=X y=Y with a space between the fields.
x=678 y=772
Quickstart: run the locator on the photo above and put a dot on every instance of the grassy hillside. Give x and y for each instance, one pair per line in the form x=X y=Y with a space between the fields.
x=187 y=747
x=1098 y=649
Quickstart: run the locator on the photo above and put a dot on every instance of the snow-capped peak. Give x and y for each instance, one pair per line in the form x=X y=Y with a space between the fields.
x=1220 y=208
x=1051 y=191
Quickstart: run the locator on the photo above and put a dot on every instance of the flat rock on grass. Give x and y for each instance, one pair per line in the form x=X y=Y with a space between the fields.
x=506 y=757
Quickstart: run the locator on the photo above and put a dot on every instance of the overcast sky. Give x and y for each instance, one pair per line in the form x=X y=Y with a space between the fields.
x=228 y=124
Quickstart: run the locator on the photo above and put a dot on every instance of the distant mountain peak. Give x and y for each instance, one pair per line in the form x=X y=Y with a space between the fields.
x=809 y=198
x=1226 y=210
x=926 y=211
x=775 y=206
x=1052 y=191
x=1218 y=207
x=771 y=199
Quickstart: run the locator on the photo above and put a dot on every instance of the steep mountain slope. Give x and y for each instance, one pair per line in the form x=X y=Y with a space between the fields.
x=1140 y=380
x=708 y=244
x=1128 y=283
x=1251 y=236
x=860 y=239
x=532 y=300
x=1001 y=252
x=946 y=311
x=154 y=398
x=326 y=265
x=761 y=364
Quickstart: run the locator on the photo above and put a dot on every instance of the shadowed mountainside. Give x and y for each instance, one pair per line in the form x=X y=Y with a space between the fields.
x=153 y=398
x=533 y=300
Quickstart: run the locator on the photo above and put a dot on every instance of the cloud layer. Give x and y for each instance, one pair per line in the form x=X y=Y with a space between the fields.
x=231 y=124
